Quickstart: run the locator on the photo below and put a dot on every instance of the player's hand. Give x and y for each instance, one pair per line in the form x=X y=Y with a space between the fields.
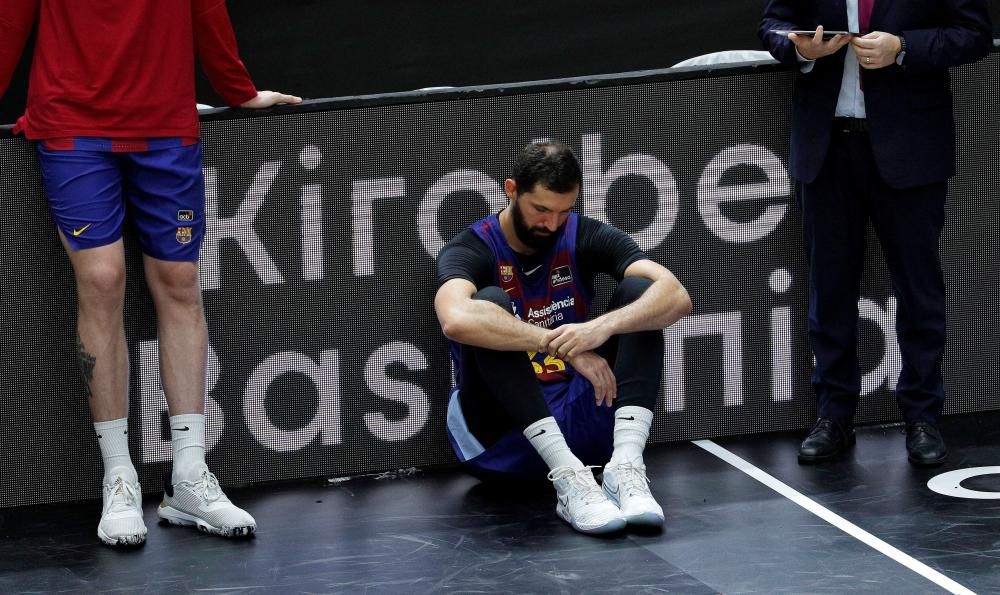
x=270 y=98
x=876 y=50
x=569 y=340
x=596 y=369
x=814 y=48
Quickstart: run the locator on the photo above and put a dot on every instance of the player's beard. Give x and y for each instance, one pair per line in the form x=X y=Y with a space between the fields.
x=538 y=239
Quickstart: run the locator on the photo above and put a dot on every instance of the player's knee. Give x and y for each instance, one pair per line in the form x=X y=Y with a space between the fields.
x=629 y=290
x=175 y=281
x=494 y=294
x=101 y=282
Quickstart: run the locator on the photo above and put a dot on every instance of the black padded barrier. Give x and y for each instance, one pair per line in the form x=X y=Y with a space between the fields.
x=318 y=272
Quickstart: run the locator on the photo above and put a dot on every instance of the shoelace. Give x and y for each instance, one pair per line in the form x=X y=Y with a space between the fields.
x=208 y=486
x=922 y=428
x=123 y=495
x=591 y=492
x=821 y=425
x=632 y=478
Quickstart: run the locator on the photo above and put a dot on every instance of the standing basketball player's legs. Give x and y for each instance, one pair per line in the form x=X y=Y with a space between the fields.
x=84 y=194
x=166 y=196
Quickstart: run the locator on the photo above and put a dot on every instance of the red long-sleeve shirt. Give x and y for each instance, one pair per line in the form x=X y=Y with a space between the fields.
x=119 y=68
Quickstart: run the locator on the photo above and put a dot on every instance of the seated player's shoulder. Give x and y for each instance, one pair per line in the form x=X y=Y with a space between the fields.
x=466 y=256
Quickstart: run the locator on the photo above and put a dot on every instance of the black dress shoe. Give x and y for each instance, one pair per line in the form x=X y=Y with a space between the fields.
x=924 y=445
x=827 y=440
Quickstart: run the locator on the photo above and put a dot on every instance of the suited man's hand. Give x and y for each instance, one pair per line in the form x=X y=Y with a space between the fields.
x=876 y=50
x=814 y=48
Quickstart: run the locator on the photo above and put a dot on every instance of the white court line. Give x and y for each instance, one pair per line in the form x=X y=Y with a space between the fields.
x=834 y=519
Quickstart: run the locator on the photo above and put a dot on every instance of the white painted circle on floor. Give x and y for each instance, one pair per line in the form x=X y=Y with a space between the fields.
x=950 y=483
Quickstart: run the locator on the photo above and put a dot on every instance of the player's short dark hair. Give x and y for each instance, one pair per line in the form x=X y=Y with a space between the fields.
x=549 y=163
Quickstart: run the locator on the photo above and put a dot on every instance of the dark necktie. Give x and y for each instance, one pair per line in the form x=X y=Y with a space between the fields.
x=865 y=15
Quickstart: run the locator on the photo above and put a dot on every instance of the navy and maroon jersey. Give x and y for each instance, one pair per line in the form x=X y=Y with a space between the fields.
x=548 y=295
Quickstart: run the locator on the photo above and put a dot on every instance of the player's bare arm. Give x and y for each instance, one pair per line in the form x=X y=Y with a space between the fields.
x=481 y=323
x=663 y=304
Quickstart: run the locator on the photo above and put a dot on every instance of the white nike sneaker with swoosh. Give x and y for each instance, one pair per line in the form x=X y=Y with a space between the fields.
x=582 y=504
x=627 y=486
x=202 y=504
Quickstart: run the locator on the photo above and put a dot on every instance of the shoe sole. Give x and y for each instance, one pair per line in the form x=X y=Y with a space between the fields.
x=927 y=463
x=183 y=519
x=809 y=460
x=123 y=541
x=611 y=527
x=643 y=519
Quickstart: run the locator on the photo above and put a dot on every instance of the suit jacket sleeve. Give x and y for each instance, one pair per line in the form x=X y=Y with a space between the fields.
x=17 y=19
x=965 y=35
x=781 y=15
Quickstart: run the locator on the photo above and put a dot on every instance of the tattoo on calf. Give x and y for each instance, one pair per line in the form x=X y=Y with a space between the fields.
x=87 y=363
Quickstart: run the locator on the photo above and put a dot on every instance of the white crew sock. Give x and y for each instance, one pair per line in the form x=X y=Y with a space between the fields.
x=112 y=437
x=545 y=436
x=631 y=433
x=187 y=436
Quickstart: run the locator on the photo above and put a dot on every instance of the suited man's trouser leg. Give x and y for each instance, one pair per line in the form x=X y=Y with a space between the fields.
x=836 y=208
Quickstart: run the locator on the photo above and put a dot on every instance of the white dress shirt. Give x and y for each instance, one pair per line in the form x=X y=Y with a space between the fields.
x=851 y=99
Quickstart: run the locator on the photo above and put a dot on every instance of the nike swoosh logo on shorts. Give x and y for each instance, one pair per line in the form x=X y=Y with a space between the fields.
x=77 y=232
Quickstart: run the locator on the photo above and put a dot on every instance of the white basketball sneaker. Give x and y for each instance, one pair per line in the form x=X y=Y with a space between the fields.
x=121 y=517
x=201 y=503
x=627 y=486
x=582 y=504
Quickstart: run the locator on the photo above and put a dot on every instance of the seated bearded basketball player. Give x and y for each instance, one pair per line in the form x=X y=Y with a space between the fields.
x=540 y=388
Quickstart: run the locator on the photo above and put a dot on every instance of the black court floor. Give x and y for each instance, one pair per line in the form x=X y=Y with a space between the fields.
x=868 y=523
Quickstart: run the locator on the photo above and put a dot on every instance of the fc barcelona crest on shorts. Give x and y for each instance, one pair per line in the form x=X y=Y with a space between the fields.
x=507 y=273
x=183 y=235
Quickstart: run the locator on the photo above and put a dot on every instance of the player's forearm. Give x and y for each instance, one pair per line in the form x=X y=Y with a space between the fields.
x=484 y=324
x=217 y=51
x=662 y=304
x=17 y=19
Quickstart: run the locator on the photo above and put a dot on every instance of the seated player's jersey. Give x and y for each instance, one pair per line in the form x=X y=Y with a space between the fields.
x=549 y=295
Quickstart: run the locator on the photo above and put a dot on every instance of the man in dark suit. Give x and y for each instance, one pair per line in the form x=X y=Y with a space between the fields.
x=873 y=138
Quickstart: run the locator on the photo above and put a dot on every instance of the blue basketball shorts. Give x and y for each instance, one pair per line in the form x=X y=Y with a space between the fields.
x=162 y=190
